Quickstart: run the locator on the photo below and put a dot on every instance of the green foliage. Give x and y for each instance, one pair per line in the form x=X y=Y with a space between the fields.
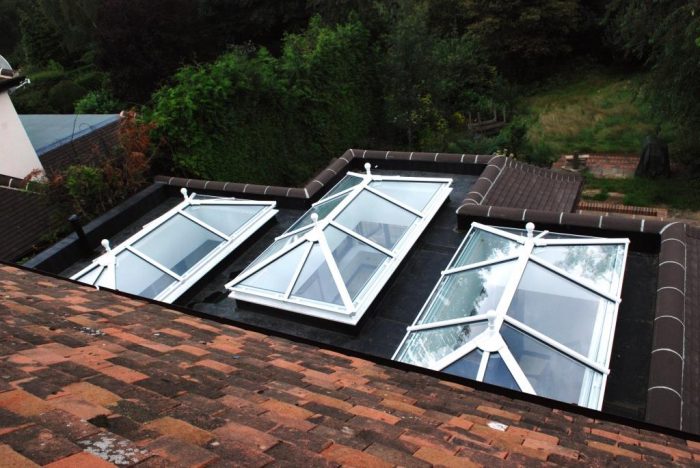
x=524 y=38
x=665 y=35
x=64 y=94
x=40 y=39
x=97 y=102
x=84 y=184
x=265 y=119
x=677 y=192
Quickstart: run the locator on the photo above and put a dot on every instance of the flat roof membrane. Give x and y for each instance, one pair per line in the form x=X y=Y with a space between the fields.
x=334 y=260
x=526 y=310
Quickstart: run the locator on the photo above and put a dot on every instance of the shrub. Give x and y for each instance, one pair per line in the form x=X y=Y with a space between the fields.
x=63 y=95
x=97 y=102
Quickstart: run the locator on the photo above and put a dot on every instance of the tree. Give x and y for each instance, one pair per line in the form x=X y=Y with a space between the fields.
x=665 y=36
x=524 y=38
x=41 y=41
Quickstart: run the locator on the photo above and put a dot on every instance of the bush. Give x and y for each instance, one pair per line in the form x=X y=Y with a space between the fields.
x=63 y=95
x=97 y=102
x=270 y=120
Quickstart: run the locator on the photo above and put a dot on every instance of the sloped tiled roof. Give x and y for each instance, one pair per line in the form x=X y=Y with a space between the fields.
x=87 y=374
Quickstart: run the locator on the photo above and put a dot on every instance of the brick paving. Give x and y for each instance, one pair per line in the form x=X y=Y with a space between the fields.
x=90 y=378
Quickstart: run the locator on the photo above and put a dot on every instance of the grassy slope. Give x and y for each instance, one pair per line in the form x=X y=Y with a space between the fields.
x=599 y=112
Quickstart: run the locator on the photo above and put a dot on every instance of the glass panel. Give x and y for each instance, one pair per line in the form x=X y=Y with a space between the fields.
x=468 y=366
x=414 y=194
x=275 y=247
x=322 y=210
x=483 y=246
x=357 y=261
x=178 y=244
x=558 y=308
x=599 y=264
x=376 y=219
x=550 y=373
x=225 y=218
x=315 y=281
x=136 y=276
x=467 y=293
x=91 y=276
x=347 y=182
x=277 y=275
x=497 y=373
x=426 y=347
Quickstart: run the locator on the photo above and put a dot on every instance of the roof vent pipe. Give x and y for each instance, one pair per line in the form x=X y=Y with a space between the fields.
x=83 y=241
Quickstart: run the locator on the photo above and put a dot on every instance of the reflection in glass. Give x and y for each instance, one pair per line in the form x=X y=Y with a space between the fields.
x=275 y=247
x=347 y=182
x=417 y=195
x=357 y=261
x=599 y=264
x=277 y=275
x=558 y=308
x=468 y=366
x=426 y=347
x=497 y=373
x=193 y=241
x=136 y=276
x=550 y=373
x=322 y=210
x=467 y=293
x=482 y=246
x=376 y=219
x=224 y=218
x=315 y=281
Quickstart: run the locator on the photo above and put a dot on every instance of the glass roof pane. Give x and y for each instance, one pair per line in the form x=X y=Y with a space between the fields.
x=558 y=308
x=467 y=293
x=224 y=218
x=178 y=244
x=497 y=373
x=347 y=182
x=468 y=366
x=599 y=264
x=278 y=274
x=275 y=247
x=90 y=276
x=357 y=261
x=414 y=194
x=551 y=374
x=315 y=281
x=376 y=219
x=136 y=276
x=482 y=246
x=426 y=347
x=322 y=210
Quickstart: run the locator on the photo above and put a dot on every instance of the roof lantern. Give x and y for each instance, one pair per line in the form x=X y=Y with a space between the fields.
x=172 y=252
x=527 y=310
x=335 y=259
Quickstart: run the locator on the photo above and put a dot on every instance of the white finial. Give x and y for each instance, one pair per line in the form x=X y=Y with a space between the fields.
x=491 y=316
x=105 y=244
x=314 y=218
x=368 y=168
x=530 y=228
x=183 y=191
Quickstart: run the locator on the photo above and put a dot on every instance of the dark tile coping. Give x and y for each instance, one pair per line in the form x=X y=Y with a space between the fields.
x=13 y=182
x=665 y=391
x=352 y=158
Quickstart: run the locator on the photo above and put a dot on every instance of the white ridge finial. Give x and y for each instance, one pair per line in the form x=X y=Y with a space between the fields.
x=530 y=228
x=105 y=244
x=183 y=191
x=314 y=218
x=368 y=168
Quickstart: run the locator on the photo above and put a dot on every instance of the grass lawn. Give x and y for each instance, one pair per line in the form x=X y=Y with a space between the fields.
x=599 y=112
x=676 y=192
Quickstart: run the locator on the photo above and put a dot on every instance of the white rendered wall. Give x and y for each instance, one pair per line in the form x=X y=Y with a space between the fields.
x=17 y=155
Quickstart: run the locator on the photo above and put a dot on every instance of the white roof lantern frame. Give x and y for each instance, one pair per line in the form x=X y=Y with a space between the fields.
x=105 y=265
x=350 y=311
x=490 y=341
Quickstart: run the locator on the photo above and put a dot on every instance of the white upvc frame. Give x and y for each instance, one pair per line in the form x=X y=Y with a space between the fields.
x=490 y=341
x=350 y=312
x=107 y=261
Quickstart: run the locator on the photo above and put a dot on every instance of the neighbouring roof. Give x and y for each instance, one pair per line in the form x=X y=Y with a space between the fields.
x=90 y=374
x=50 y=131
